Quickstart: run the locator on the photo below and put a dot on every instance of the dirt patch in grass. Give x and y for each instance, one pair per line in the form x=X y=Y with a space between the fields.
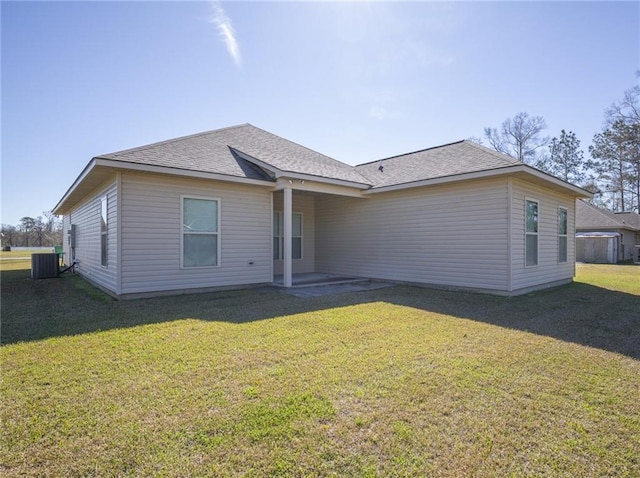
x=394 y=382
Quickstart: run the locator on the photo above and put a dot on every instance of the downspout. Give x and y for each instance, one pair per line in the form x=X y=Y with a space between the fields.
x=509 y=233
x=287 y=258
x=273 y=232
x=119 y=232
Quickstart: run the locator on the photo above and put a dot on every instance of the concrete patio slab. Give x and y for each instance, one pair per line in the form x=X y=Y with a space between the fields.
x=327 y=289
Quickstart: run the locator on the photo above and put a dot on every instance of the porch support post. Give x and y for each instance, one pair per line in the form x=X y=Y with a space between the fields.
x=287 y=213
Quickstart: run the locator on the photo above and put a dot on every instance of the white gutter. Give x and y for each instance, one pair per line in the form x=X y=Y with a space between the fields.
x=508 y=170
x=180 y=172
x=122 y=165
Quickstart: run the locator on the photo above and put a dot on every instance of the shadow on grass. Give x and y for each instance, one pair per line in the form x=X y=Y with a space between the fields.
x=579 y=313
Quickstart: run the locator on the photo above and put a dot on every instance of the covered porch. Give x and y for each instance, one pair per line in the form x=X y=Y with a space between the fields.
x=298 y=231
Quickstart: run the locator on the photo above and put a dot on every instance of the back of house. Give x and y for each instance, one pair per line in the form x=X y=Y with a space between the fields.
x=240 y=207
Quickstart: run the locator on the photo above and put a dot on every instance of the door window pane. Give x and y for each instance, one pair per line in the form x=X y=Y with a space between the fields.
x=296 y=248
x=296 y=224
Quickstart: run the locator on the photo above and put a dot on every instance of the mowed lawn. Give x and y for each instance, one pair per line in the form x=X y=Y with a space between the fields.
x=400 y=381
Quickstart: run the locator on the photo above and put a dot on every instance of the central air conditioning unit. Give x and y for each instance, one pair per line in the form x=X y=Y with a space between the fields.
x=44 y=266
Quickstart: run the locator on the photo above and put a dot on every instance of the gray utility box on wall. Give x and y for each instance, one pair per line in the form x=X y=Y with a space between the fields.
x=44 y=266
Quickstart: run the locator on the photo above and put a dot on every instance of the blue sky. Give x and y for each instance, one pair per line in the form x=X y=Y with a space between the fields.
x=355 y=81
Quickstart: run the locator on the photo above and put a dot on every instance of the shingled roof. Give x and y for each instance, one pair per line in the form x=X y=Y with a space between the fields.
x=593 y=218
x=213 y=152
x=442 y=161
x=244 y=153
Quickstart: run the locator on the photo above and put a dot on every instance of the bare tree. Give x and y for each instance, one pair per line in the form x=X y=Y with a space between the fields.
x=627 y=109
x=519 y=137
x=616 y=151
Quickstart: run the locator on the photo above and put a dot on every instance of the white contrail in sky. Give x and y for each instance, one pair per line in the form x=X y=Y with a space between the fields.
x=225 y=29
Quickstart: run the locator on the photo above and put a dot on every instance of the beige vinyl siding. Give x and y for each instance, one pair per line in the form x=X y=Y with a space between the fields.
x=304 y=203
x=86 y=218
x=451 y=235
x=548 y=269
x=151 y=232
x=627 y=244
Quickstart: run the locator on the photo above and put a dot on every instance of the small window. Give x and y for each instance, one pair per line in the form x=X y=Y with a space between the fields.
x=200 y=232
x=562 y=234
x=278 y=235
x=104 y=231
x=531 y=233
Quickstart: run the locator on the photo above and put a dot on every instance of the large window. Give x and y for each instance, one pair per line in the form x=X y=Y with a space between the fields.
x=278 y=235
x=531 y=233
x=104 y=231
x=200 y=232
x=562 y=234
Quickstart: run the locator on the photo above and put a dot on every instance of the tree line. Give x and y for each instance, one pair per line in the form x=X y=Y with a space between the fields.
x=611 y=172
x=41 y=231
x=612 y=169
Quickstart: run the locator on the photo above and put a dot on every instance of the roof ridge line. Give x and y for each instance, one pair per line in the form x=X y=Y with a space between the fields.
x=412 y=152
x=314 y=151
x=168 y=141
x=496 y=153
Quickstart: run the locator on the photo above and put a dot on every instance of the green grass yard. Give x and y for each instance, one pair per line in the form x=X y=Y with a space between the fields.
x=394 y=382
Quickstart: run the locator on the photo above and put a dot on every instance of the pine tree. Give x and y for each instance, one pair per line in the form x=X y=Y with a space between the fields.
x=566 y=159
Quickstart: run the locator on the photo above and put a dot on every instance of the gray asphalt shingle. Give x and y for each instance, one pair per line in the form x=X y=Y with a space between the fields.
x=442 y=161
x=591 y=217
x=210 y=152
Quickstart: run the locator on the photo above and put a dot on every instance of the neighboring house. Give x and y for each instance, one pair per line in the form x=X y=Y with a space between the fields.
x=604 y=236
x=219 y=210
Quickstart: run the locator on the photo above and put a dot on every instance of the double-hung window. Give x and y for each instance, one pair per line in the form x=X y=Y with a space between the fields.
x=562 y=234
x=278 y=235
x=104 y=231
x=200 y=232
x=531 y=233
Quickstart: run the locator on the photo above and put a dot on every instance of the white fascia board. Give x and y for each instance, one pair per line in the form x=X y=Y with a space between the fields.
x=558 y=182
x=506 y=171
x=121 y=165
x=313 y=185
x=280 y=173
x=179 y=172
x=322 y=179
x=444 y=180
x=85 y=172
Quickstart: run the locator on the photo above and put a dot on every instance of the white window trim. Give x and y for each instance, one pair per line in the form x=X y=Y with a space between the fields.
x=566 y=235
x=104 y=199
x=536 y=234
x=218 y=233
x=276 y=234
